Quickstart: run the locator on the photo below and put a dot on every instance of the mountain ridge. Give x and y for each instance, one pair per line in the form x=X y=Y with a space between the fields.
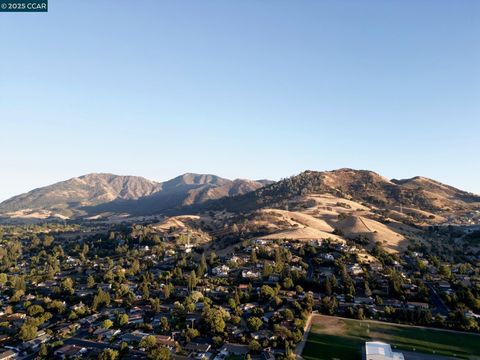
x=80 y=195
x=360 y=185
x=98 y=193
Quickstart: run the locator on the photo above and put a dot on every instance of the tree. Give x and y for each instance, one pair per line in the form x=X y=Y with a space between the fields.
x=289 y=315
x=214 y=320
x=166 y=291
x=90 y=281
x=254 y=323
x=445 y=271
x=67 y=286
x=164 y=324
x=267 y=270
x=85 y=250
x=329 y=304
x=360 y=314
x=108 y=354
x=17 y=295
x=191 y=333
x=107 y=324
x=35 y=310
x=28 y=331
x=217 y=341
x=124 y=347
x=235 y=229
x=57 y=306
x=328 y=286
x=288 y=351
x=232 y=303
x=148 y=342
x=48 y=240
x=145 y=291
x=102 y=297
x=155 y=303
x=368 y=292
x=202 y=266
x=192 y=281
x=213 y=258
x=159 y=352
x=43 y=351
x=122 y=319
x=288 y=283
x=267 y=292
x=135 y=267
x=254 y=256
x=254 y=346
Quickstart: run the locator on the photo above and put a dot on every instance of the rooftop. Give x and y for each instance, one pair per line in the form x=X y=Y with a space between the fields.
x=377 y=350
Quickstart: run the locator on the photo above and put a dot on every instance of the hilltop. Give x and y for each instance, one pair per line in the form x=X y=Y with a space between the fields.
x=363 y=186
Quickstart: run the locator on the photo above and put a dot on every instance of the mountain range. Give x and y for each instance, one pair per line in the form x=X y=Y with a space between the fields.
x=101 y=195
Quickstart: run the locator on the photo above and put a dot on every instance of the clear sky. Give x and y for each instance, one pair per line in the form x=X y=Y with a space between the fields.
x=240 y=88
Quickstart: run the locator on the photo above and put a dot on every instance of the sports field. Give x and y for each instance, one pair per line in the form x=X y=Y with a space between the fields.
x=333 y=338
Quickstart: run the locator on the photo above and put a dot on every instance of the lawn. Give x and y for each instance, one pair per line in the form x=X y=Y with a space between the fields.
x=336 y=338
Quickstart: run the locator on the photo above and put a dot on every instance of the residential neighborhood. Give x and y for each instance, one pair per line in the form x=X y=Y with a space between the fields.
x=128 y=293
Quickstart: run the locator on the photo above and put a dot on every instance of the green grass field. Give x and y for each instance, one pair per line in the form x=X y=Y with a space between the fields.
x=336 y=338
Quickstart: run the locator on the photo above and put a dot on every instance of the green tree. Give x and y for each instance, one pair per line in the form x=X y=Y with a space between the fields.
x=67 y=286
x=155 y=304
x=35 y=310
x=48 y=240
x=167 y=291
x=145 y=291
x=214 y=320
x=202 y=266
x=108 y=354
x=191 y=333
x=102 y=298
x=192 y=281
x=445 y=271
x=28 y=331
x=90 y=281
x=267 y=292
x=254 y=346
x=43 y=351
x=107 y=323
x=254 y=256
x=328 y=286
x=254 y=323
x=122 y=319
x=368 y=292
x=56 y=306
x=164 y=324
x=159 y=352
x=288 y=283
x=148 y=342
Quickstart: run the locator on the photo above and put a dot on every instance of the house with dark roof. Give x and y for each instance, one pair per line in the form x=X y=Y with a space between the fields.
x=195 y=347
x=69 y=351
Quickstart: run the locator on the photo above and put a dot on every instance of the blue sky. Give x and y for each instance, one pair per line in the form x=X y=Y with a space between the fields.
x=240 y=88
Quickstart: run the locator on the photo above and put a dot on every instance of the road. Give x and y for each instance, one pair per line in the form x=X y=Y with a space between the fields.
x=437 y=302
x=299 y=348
x=310 y=269
x=133 y=354
x=88 y=343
